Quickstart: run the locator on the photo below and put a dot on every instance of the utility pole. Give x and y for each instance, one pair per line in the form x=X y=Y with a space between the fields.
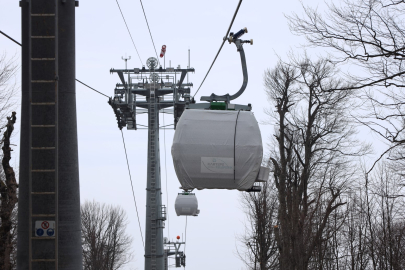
x=150 y=91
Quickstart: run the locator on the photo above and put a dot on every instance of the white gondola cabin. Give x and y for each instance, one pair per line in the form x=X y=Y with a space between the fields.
x=214 y=149
x=186 y=204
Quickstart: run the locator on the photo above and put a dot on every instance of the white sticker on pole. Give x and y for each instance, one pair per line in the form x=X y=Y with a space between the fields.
x=44 y=228
x=216 y=165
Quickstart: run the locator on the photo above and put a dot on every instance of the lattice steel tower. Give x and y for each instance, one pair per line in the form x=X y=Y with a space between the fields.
x=147 y=91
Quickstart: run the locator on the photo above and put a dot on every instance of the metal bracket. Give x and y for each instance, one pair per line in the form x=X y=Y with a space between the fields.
x=120 y=121
x=254 y=189
x=239 y=46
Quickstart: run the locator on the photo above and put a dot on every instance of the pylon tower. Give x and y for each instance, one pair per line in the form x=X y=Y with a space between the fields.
x=152 y=90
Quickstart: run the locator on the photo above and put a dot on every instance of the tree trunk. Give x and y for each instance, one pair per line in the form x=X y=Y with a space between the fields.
x=8 y=193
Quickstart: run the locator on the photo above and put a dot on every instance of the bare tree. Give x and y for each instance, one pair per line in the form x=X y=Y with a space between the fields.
x=8 y=183
x=106 y=246
x=313 y=157
x=385 y=218
x=355 y=236
x=329 y=217
x=8 y=193
x=8 y=89
x=260 y=248
x=368 y=34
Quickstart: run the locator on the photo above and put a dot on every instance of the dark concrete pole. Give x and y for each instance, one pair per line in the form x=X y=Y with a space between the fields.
x=70 y=248
x=23 y=196
x=49 y=175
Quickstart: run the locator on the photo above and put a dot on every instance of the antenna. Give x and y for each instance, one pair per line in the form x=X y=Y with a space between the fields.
x=126 y=59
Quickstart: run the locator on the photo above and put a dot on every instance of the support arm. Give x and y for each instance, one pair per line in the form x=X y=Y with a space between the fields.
x=238 y=44
x=227 y=98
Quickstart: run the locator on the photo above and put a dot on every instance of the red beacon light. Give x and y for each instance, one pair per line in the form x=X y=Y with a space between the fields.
x=178 y=237
x=163 y=51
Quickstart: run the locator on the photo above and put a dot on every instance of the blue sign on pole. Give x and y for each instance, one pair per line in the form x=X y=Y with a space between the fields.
x=40 y=232
x=45 y=228
x=50 y=232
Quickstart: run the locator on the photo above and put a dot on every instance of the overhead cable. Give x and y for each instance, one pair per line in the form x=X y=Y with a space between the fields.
x=10 y=38
x=185 y=240
x=75 y=79
x=92 y=88
x=167 y=193
x=220 y=48
x=150 y=33
x=129 y=32
x=133 y=193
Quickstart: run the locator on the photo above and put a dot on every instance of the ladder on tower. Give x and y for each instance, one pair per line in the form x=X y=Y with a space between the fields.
x=43 y=135
x=153 y=212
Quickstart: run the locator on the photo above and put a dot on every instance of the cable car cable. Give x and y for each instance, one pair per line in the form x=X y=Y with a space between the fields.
x=10 y=37
x=92 y=88
x=167 y=193
x=129 y=32
x=185 y=240
x=133 y=193
x=220 y=48
x=150 y=33
x=234 y=148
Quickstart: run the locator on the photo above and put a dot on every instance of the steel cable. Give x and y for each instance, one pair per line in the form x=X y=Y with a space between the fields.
x=167 y=193
x=10 y=38
x=129 y=32
x=150 y=33
x=185 y=242
x=133 y=193
x=92 y=88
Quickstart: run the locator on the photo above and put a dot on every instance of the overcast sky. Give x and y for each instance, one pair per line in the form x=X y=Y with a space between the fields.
x=101 y=40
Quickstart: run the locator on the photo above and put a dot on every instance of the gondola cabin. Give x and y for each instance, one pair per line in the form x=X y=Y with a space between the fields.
x=186 y=204
x=217 y=149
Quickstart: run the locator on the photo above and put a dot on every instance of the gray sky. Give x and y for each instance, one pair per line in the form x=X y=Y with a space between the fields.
x=101 y=40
